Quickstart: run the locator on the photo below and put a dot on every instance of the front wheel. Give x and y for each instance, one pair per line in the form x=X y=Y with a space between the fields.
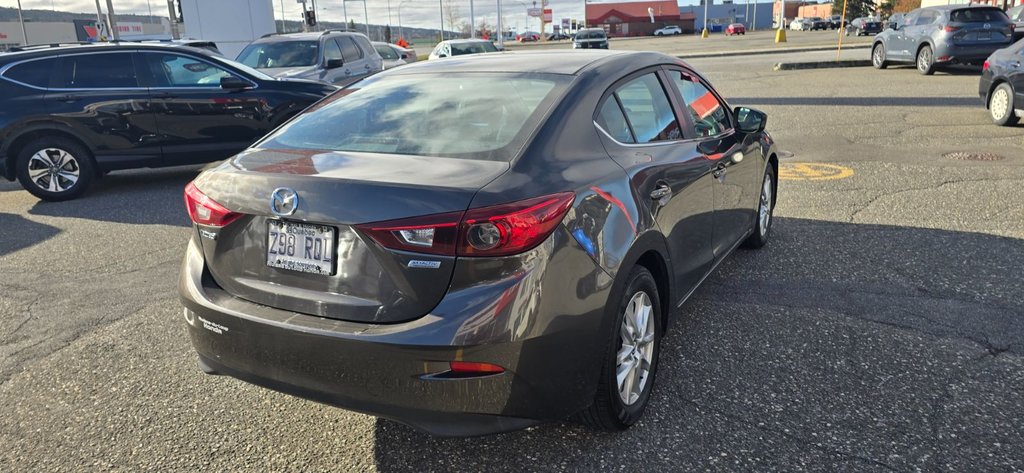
x=1000 y=106
x=55 y=169
x=878 y=57
x=630 y=358
x=765 y=209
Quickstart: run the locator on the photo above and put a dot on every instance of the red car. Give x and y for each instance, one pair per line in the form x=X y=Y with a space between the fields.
x=735 y=28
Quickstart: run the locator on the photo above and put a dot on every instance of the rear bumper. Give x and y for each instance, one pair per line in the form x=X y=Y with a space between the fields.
x=966 y=54
x=551 y=357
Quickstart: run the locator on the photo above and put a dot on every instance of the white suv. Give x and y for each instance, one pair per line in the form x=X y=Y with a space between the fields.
x=671 y=29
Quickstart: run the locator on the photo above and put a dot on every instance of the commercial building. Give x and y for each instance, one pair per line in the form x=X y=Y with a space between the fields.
x=637 y=18
x=752 y=15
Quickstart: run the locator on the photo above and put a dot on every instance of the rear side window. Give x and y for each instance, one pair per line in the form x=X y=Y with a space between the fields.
x=386 y=52
x=98 y=71
x=34 y=73
x=977 y=15
x=927 y=18
x=613 y=121
x=648 y=110
x=332 y=51
x=349 y=49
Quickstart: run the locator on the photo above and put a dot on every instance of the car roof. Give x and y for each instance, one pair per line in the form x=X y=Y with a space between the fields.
x=464 y=41
x=961 y=6
x=549 y=61
x=310 y=36
x=56 y=49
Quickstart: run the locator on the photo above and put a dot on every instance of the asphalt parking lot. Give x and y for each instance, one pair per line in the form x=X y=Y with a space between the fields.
x=882 y=328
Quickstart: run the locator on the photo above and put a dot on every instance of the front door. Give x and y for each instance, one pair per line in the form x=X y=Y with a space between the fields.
x=198 y=120
x=736 y=173
x=643 y=134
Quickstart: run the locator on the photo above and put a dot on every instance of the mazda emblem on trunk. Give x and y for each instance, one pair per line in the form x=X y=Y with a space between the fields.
x=283 y=201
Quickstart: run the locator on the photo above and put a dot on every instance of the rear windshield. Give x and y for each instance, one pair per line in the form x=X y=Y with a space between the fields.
x=470 y=115
x=977 y=15
x=459 y=49
x=280 y=54
x=590 y=35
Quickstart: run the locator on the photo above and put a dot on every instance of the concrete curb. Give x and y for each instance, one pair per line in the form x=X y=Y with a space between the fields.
x=753 y=52
x=793 y=66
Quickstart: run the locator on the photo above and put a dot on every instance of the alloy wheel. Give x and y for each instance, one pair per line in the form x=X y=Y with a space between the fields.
x=999 y=104
x=636 y=353
x=53 y=170
x=764 y=211
x=924 y=59
x=876 y=58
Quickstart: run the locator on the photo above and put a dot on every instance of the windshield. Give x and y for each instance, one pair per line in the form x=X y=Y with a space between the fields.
x=280 y=54
x=459 y=49
x=473 y=116
x=977 y=15
x=590 y=35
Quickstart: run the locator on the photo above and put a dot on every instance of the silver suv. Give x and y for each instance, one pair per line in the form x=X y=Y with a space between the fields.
x=333 y=57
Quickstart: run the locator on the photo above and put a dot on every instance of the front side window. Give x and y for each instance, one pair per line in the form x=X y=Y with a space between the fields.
x=172 y=70
x=332 y=51
x=469 y=115
x=710 y=117
x=648 y=110
x=34 y=73
x=280 y=54
x=98 y=71
x=349 y=49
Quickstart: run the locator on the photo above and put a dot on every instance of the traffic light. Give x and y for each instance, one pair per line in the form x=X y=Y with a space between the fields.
x=310 y=17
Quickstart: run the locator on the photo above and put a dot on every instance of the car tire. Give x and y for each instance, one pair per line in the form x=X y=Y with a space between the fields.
x=613 y=409
x=763 y=213
x=55 y=169
x=1001 y=107
x=878 y=56
x=925 y=61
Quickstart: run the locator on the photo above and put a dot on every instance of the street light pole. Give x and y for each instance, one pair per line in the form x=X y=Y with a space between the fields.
x=24 y=32
x=440 y=8
x=112 y=18
x=366 y=18
x=472 y=21
x=704 y=34
x=501 y=29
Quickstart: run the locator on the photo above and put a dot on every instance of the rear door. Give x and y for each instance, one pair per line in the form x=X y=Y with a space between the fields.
x=198 y=120
x=100 y=97
x=1015 y=71
x=357 y=64
x=736 y=173
x=644 y=135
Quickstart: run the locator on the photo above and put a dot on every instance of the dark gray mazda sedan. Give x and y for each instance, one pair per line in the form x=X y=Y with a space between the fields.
x=478 y=244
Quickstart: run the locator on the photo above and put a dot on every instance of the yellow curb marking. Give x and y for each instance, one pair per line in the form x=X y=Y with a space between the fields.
x=813 y=172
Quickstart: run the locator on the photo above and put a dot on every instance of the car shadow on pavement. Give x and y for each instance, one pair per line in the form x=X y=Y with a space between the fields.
x=19 y=232
x=142 y=197
x=863 y=101
x=845 y=346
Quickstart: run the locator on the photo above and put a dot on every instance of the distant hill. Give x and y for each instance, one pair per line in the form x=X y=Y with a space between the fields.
x=376 y=31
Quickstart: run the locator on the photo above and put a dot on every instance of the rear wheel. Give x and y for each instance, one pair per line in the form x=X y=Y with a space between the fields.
x=765 y=208
x=925 y=61
x=55 y=169
x=878 y=57
x=631 y=359
x=1000 y=105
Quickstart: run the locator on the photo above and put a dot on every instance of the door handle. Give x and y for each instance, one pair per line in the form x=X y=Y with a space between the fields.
x=661 y=192
x=348 y=72
x=719 y=171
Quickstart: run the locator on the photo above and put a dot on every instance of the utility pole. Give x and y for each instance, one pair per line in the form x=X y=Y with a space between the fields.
x=366 y=18
x=501 y=29
x=112 y=19
x=24 y=32
x=472 y=20
x=441 y=9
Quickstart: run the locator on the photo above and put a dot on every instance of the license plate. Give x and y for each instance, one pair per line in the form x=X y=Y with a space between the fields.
x=984 y=36
x=302 y=247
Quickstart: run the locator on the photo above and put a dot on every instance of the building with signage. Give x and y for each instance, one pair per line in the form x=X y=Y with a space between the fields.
x=637 y=18
x=754 y=16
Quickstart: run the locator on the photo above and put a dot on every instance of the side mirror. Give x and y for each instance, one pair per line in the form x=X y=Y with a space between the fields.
x=335 y=63
x=749 y=120
x=894 y=25
x=234 y=83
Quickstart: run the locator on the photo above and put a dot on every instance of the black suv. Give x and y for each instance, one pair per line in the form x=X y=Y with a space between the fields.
x=71 y=113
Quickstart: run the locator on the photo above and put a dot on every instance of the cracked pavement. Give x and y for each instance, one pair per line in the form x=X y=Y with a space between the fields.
x=882 y=328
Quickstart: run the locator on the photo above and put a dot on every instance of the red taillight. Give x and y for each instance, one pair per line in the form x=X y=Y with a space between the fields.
x=508 y=229
x=951 y=29
x=469 y=367
x=204 y=210
x=984 y=66
x=499 y=230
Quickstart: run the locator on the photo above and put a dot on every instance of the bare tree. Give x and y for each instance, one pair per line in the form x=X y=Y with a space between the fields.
x=452 y=14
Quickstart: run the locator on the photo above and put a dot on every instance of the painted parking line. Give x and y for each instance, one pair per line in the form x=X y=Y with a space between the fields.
x=813 y=172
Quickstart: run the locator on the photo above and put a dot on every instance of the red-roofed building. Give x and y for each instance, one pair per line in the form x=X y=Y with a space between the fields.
x=634 y=18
